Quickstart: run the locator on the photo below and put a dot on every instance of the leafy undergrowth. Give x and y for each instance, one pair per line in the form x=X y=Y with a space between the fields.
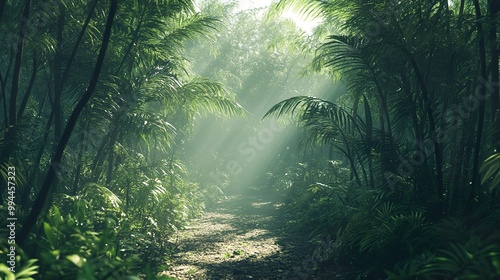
x=376 y=235
x=96 y=235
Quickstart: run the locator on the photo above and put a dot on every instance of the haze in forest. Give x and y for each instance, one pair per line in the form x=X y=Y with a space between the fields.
x=211 y=139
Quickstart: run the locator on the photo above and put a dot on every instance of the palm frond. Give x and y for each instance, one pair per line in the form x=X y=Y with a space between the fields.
x=491 y=170
x=167 y=44
x=307 y=9
x=315 y=112
x=100 y=195
x=205 y=96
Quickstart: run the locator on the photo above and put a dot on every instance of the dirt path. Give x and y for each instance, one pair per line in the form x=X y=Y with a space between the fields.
x=245 y=238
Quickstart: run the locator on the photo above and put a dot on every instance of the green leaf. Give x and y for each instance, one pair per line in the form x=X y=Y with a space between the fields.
x=76 y=260
x=491 y=168
x=50 y=234
x=28 y=270
x=87 y=272
x=58 y=219
x=8 y=275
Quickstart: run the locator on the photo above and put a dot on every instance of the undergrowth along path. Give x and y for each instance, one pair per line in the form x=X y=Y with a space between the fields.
x=244 y=237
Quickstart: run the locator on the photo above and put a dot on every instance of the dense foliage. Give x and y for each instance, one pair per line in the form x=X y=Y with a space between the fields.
x=401 y=192
x=104 y=153
x=100 y=188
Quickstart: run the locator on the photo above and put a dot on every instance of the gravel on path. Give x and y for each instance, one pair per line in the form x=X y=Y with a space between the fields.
x=245 y=237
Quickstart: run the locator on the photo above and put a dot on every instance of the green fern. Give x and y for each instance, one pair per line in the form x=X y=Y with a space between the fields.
x=491 y=170
x=26 y=272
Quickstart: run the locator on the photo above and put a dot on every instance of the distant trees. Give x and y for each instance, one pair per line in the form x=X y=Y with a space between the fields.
x=254 y=56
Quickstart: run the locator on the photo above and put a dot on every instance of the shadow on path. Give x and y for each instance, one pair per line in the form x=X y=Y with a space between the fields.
x=244 y=237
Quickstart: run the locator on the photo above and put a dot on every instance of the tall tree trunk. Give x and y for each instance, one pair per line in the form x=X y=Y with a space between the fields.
x=58 y=114
x=77 y=43
x=2 y=8
x=135 y=37
x=494 y=8
x=467 y=162
x=17 y=65
x=79 y=161
x=33 y=178
x=37 y=208
x=482 y=92
x=457 y=162
x=27 y=94
x=10 y=134
x=111 y=154
x=4 y=92
x=433 y=133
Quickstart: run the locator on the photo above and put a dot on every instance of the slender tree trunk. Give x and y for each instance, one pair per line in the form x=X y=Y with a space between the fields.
x=494 y=7
x=102 y=152
x=58 y=114
x=369 y=140
x=99 y=158
x=457 y=161
x=135 y=37
x=4 y=102
x=111 y=153
x=17 y=65
x=37 y=208
x=461 y=11
x=482 y=92
x=77 y=44
x=434 y=135
x=383 y=103
x=466 y=162
x=10 y=134
x=354 y=171
x=33 y=179
x=27 y=94
x=4 y=92
x=2 y=8
x=127 y=198
x=79 y=160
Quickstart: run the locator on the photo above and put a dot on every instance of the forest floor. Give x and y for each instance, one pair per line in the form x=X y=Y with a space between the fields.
x=246 y=237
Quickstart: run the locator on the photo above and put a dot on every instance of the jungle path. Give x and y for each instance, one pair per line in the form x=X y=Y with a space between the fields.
x=245 y=237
